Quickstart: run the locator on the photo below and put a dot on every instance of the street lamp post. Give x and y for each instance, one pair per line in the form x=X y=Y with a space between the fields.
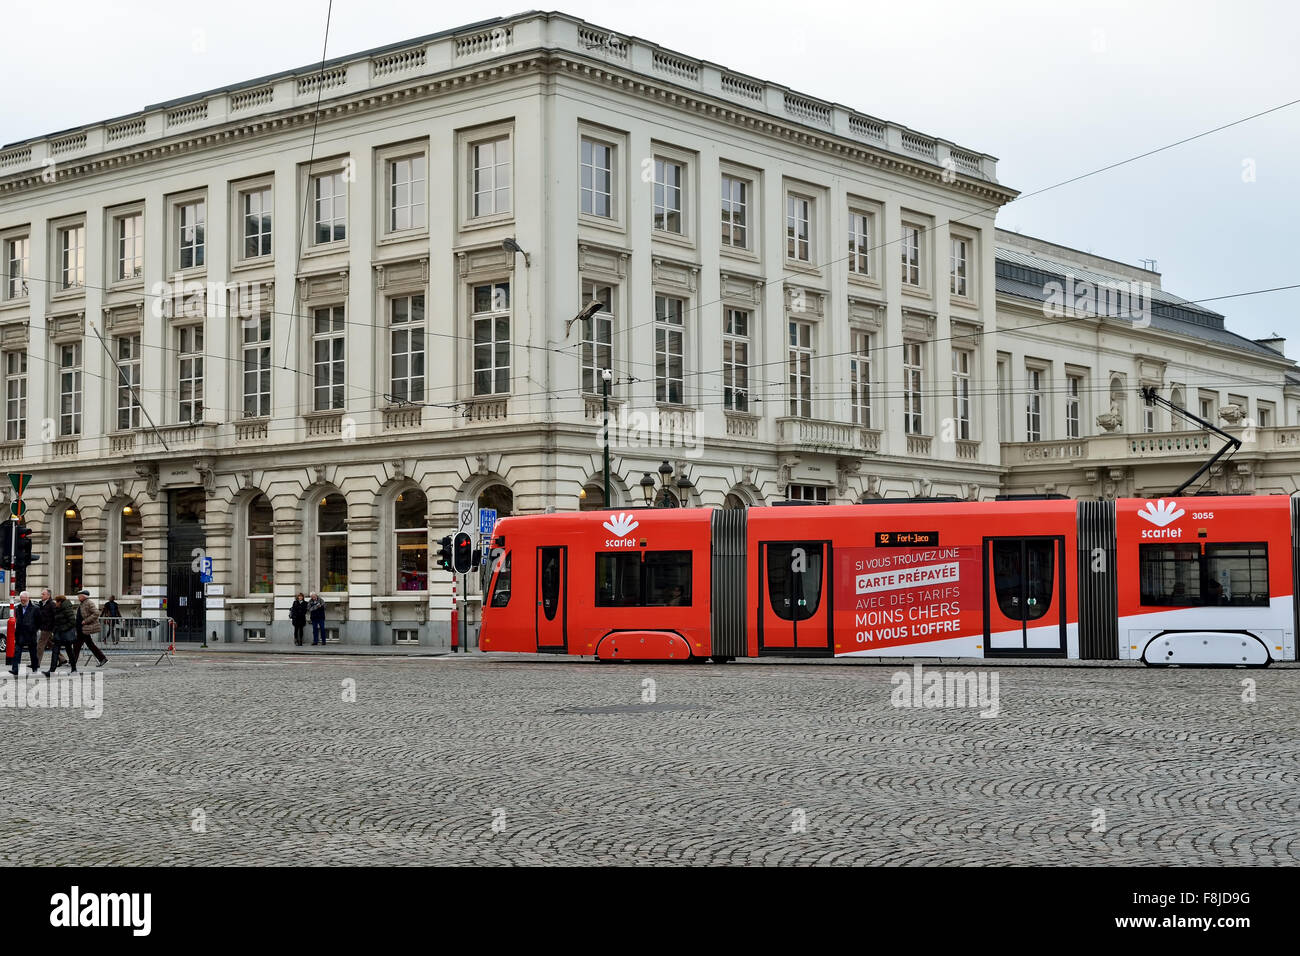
x=668 y=484
x=605 y=376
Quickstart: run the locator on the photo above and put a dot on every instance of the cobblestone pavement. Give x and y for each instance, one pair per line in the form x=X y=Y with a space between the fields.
x=739 y=764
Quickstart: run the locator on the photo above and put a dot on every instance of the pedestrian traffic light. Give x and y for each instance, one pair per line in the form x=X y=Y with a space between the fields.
x=462 y=553
x=444 y=553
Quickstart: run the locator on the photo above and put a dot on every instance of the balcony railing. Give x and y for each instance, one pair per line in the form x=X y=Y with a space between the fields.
x=833 y=437
x=251 y=431
x=919 y=445
x=491 y=409
x=403 y=418
x=742 y=424
x=1188 y=445
x=187 y=435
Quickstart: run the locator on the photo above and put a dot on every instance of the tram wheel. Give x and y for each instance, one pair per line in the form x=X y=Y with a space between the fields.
x=723 y=660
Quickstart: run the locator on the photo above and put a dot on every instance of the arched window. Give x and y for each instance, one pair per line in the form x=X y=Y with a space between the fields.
x=131 y=540
x=411 y=540
x=332 y=542
x=593 y=497
x=499 y=498
x=733 y=500
x=1176 y=422
x=261 y=546
x=72 y=550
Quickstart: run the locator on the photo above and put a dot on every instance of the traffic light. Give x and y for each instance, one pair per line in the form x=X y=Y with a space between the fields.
x=444 y=553
x=7 y=544
x=463 y=553
x=23 y=554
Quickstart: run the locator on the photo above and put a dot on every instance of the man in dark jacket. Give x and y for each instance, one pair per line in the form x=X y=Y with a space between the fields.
x=316 y=610
x=45 y=625
x=87 y=628
x=25 y=631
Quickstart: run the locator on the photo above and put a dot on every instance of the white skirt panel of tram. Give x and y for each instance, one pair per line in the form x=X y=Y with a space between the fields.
x=1273 y=625
x=971 y=646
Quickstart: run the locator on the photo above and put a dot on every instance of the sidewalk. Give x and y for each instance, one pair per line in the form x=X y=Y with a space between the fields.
x=330 y=650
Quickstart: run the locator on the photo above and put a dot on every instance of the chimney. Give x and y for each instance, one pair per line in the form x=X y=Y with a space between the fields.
x=1274 y=342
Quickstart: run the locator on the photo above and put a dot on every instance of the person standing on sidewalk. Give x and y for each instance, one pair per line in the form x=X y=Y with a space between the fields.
x=298 y=617
x=45 y=626
x=316 y=608
x=87 y=628
x=65 y=633
x=25 y=630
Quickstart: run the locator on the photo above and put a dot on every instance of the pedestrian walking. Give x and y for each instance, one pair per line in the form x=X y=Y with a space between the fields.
x=298 y=617
x=87 y=628
x=316 y=609
x=110 y=607
x=45 y=625
x=25 y=633
x=65 y=633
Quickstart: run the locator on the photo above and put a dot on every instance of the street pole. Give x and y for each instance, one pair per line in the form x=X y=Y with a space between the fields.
x=605 y=377
x=455 y=626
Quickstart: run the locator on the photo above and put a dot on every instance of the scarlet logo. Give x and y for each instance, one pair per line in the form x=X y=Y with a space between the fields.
x=621 y=525
x=1162 y=512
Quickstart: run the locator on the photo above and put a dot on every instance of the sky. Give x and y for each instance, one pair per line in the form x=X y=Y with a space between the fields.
x=1053 y=89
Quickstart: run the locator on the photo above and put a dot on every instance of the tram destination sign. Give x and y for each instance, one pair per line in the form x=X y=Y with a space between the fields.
x=907 y=539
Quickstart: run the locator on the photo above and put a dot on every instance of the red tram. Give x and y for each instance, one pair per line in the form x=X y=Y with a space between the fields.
x=1188 y=580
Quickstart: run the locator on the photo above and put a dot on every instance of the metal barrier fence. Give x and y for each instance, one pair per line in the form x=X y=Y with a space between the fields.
x=138 y=635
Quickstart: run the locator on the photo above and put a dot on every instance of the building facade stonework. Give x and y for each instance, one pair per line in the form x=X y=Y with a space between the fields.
x=288 y=325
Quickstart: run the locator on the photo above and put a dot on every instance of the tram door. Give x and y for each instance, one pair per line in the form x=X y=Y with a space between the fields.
x=1024 y=601
x=552 y=607
x=794 y=597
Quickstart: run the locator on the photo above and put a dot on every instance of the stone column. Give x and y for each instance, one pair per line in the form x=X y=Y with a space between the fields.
x=290 y=572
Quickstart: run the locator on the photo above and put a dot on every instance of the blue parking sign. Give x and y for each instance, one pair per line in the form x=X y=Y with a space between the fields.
x=487 y=519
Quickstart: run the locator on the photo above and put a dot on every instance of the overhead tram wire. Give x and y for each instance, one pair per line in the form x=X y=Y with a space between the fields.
x=306 y=199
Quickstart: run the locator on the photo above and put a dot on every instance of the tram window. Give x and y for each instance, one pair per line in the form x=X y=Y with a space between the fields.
x=1040 y=578
x=550 y=582
x=1184 y=575
x=659 y=579
x=667 y=578
x=501 y=587
x=1237 y=574
x=1171 y=574
x=1007 y=578
x=618 y=580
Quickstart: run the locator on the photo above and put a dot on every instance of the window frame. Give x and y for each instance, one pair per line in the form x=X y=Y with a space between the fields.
x=61 y=231
x=262 y=368
x=613 y=145
x=310 y=176
x=492 y=317
x=249 y=538
x=667 y=327
x=861 y=342
x=470 y=140
x=176 y=204
x=15 y=286
x=241 y=192
x=748 y=204
x=1074 y=405
x=912 y=259
x=961 y=282
x=128 y=387
x=590 y=346
x=794 y=197
x=736 y=396
x=190 y=368
x=15 y=404
x=336 y=364
x=1036 y=410
x=862 y=225
x=117 y=219
x=622 y=557
x=961 y=393
x=320 y=535
x=399 y=533
x=800 y=368
x=388 y=159
x=408 y=328
x=71 y=386
x=913 y=387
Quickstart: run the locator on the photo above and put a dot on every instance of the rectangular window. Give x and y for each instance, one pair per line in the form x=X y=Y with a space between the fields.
x=651 y=579
x=1264 y=414
x=1148 y=419
x=735 y=360
x=911 y=247
x=256 y=210
x=597 y=336
x=814 y=493
x=72 y=257
x=492 y=339
x=961 y=362
x=128 y=238
x=329 y=342
x=191 y=223
x=668 y=196
x=800 y=358
x=128 y=382
x=597 y=179
x=1196 y=575
x=860 y=243
x=735 y=212
x=330 y=208
x=189 y=373
x=257 y=367
x=913 y=374
x=860 y=378
x=1073 y=405
x=406 y=337
x=16 y=265
x=798 y=228
x=957 y=278
x=70 y=389
x=490 y=162
x=406 y=193
x=669 y=350
x=1033 y=404
x=1207 y=409
x=15 y=396
x=406 y=635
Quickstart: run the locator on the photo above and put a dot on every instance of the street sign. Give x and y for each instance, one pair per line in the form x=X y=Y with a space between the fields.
x=19 y=481
x=206 y=567
x=465 y=516
x=487 y=519
x=205 y=579
x=18 y=508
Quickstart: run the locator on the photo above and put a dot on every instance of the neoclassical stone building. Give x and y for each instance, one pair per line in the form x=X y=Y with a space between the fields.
x=288 y=325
